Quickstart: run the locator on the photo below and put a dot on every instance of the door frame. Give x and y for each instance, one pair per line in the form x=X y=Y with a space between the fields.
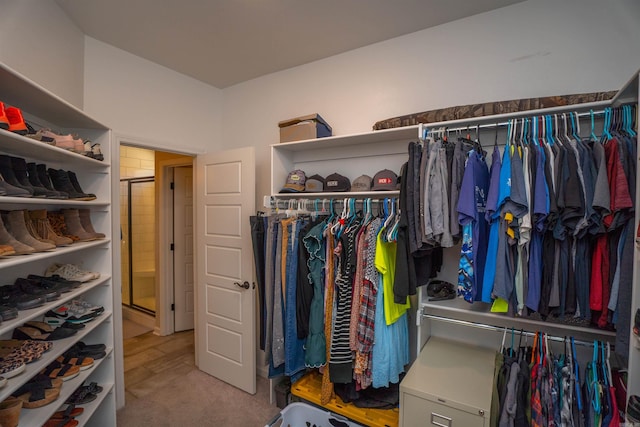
x=165 y=318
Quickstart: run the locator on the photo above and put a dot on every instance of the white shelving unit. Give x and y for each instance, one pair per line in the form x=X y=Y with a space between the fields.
x=44 y=109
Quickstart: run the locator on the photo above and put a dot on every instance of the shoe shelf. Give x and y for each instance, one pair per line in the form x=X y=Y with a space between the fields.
x=33 y=313
x=59 y=347
x=39 y=416
x=11 y=260
x=21 y=146
x=23 y=201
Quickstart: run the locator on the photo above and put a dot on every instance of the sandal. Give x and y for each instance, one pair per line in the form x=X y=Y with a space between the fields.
x=81 y=396
x=61 y=422
x=36 y=334
x=58 y=370
x=9 y=368
x=80 y=361
x=71 y=411
x=56 y=333
x=36 y=394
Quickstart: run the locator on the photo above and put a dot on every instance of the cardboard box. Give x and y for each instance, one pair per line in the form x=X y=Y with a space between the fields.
x=304 y=127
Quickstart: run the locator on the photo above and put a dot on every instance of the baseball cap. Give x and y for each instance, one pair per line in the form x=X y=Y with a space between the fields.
x=337 y=182
x=385 y=180
x=361 y=183
x=314 y=184
x=295 y=182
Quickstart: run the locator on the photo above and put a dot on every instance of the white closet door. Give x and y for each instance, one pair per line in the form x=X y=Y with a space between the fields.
x=225 y=328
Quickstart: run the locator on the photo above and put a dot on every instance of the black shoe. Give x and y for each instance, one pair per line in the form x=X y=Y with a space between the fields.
x=61 y=182
x=28 y=287
x=54 y=282
x=45 y=180
x=19 y=166
x=34 y=180
x=636 y=323
x=13 y=297
x=9 y=176
x=76 y=185
x=8 y=312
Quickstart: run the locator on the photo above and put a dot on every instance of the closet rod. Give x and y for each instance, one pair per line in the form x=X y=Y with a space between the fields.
x=440 y=125
x=501 y=329
x=492 y=119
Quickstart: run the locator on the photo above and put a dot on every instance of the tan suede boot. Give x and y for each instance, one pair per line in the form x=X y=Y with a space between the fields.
x=14 y=221
x=74 y=226
x=7 y=239
x=32 y=229
x=85 y=220
x=43 y=227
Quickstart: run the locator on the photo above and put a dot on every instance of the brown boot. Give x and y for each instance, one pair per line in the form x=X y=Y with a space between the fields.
x=10 y=412
x=14 y=221
x=7 y=239
x=32 y=229
x=85 y=220
x=74 y=226
x=43 y=227
x=56 y=219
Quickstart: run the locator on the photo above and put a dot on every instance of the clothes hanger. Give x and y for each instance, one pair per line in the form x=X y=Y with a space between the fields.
x=593 y=127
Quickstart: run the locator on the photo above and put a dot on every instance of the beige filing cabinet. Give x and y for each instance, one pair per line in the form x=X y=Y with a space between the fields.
x=448 y=385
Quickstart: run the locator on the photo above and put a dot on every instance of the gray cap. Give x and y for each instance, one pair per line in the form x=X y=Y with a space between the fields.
x=314 y=184
x=361 y=183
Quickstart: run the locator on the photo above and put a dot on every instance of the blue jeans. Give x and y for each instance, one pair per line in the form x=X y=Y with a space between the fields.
x=294 y=347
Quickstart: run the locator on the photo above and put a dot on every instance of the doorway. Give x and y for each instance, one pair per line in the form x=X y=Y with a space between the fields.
x=151 y=279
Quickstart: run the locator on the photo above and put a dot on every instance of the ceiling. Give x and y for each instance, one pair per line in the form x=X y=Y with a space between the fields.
x=225 y=42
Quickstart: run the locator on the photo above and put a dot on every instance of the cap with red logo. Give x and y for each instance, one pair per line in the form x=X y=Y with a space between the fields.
x=385 y=180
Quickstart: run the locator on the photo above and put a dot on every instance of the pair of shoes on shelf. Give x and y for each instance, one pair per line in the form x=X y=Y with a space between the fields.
x=14 y=296
x=75 y=224
x=11 y=119
x=41 y=331
x=84 y=394
x=71 y=272
x=16 y=231
x=67 y=182
x=76 y=311
x=38 y=391
x=65 y=417
x=94 y=351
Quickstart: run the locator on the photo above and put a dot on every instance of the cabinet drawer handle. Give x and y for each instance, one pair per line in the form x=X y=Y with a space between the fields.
x=439 y=424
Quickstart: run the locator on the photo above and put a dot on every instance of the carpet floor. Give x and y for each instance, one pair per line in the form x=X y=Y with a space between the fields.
x=163 y=387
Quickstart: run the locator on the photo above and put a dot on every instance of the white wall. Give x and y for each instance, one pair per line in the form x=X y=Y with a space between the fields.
x=535 y=48
x=38 y=40
x=150 y=104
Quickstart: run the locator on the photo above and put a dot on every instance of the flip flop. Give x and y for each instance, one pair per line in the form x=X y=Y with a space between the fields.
x=71 y=411
x=61 y=422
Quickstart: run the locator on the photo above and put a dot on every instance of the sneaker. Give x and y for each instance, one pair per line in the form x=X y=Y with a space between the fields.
x=4 y=120
x=16 y=122
x=71 y=272
x=67 y=142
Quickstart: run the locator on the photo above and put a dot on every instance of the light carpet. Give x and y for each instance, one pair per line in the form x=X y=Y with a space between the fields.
x=199 y=399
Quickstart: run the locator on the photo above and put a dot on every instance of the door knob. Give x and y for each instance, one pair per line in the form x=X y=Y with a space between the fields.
x=244 y=285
